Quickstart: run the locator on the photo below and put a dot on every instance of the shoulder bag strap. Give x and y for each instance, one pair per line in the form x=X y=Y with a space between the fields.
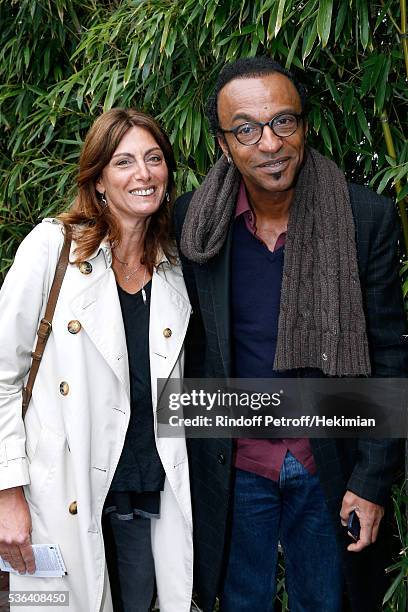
x=44 y=329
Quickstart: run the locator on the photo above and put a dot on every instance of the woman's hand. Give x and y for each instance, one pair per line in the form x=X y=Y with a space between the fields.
x=15 y=530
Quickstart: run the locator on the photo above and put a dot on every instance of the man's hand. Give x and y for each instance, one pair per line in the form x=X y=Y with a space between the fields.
x=369 y=515
x=15 y=530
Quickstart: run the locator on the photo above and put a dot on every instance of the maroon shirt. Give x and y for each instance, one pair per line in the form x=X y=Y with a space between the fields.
x=265 y=457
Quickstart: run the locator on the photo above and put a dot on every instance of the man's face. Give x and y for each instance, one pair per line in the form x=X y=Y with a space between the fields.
x=271 y=165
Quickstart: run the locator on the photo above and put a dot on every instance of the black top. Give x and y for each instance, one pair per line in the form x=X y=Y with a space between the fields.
x=139 y=469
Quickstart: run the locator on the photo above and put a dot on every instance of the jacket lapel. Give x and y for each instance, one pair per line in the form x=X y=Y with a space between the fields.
x=169 y=316
x=98 y=309
x=219 y=272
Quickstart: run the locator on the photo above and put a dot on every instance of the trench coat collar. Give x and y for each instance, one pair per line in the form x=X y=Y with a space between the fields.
x=106 y=248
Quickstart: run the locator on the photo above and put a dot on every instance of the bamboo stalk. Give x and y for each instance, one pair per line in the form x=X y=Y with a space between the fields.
x=392 y=153
x=404 y=39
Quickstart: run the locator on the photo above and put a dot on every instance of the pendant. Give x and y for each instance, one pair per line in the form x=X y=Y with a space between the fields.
x=144 y=296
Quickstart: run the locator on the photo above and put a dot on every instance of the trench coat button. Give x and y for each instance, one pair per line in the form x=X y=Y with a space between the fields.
x=74 y=327
x=221 y=458
x=64 y=388
x=73 y=508
x=167 y=332
x=85 y=267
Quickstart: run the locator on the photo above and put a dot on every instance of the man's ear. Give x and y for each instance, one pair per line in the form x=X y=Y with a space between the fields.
x=223 y=144
x=306 y=128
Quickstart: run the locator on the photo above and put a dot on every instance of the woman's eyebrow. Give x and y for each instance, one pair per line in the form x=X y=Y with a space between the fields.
x=131 y=154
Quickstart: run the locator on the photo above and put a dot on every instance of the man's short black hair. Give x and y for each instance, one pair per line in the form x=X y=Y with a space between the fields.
x=247 y=68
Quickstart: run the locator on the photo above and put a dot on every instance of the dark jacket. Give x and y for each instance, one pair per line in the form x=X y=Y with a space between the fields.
x=366 y=467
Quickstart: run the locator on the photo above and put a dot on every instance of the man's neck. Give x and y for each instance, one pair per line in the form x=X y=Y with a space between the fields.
x=271 y=208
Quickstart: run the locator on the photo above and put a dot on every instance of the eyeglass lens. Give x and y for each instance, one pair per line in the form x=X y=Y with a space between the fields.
x=282 y=125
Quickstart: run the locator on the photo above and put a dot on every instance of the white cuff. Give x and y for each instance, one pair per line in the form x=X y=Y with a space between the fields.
x=15 y=474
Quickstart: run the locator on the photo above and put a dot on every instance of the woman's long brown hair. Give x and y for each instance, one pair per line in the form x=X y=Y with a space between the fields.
x=92 y=220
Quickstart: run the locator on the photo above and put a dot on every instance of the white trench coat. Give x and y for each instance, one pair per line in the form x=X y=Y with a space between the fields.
x=70 y=446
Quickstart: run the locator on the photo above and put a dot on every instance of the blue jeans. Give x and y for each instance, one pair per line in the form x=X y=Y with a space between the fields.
x=294 y=512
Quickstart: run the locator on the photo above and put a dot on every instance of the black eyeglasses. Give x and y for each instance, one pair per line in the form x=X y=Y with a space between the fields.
x=250 y=133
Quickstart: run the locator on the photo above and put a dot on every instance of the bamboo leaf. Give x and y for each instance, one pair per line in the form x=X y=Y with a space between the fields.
x=279 y=17
x=270 y=31
x=27 y=56
x=143 y=54
x=363 y=23
x=372 y=70
x=381 y=88
x=188 y=127
x=293 y=48
x=401 y=173
x=385 y=180
x=171 y=41
x=400 y=576
x=333 y=89
x=308 y=9
x=348 y=100
x=334 y=132
x=316 y=118
x=391 y=161
x=403 y=193
x=324 y=20
x=165 y=31
x=362 y=119
x=111 y=93
x=403 y=270
x=311 y=36
x=326 y=135
x=47 y=62
x=130 y=64
x=266 y=5
x=212 y=7
x=196 y=130
x=341 y=18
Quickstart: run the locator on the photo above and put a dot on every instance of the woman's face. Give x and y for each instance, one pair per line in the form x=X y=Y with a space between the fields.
x=135 y=180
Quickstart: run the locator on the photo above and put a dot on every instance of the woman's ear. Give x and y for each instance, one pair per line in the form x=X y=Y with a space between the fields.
x=99 y=186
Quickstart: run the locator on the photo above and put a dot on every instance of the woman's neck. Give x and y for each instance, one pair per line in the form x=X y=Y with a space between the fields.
x=131 y=246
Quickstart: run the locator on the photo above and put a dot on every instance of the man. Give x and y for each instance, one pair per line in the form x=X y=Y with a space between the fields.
x=291 y=272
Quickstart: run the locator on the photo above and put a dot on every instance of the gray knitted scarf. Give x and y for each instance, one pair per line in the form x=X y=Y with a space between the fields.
x=321 y=320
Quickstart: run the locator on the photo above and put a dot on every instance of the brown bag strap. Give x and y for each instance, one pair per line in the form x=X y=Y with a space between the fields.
x=44 y=329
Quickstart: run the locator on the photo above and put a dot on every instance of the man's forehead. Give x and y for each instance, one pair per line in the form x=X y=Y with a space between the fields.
x=254 y=93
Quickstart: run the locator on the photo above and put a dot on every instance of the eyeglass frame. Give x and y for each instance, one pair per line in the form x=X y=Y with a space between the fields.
x=298 y=116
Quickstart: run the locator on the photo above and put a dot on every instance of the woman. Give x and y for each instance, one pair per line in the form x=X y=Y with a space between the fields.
x=89 y=434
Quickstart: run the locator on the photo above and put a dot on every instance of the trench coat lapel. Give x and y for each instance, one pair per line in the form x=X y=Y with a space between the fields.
x=98 y=309
x=169 y=317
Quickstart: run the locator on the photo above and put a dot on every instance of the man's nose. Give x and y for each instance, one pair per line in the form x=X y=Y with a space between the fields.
x=270 y=141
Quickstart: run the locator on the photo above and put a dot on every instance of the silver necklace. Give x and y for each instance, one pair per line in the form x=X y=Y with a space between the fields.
x=128 y=274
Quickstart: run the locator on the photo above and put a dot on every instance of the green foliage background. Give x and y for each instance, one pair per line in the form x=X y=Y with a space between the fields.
x=64 y=61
